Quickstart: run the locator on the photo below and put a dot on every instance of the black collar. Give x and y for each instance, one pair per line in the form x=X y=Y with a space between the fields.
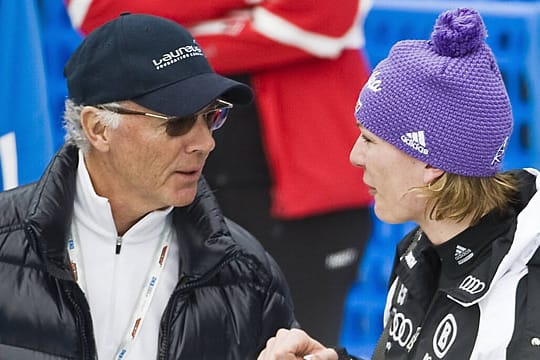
x=470 y=260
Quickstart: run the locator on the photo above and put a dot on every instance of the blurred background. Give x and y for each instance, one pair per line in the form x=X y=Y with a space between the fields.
x=37 y=39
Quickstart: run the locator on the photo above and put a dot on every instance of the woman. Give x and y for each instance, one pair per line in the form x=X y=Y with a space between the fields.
x=435 y=119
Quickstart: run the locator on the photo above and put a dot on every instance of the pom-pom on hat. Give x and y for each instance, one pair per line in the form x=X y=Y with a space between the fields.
x=443 y=100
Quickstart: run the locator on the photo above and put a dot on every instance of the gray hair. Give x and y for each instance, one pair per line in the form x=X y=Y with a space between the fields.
x=72 y=123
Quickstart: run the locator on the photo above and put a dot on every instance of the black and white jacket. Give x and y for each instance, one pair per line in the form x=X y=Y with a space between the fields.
x=475 y=297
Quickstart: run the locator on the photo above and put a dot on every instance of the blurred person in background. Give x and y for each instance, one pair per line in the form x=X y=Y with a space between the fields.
x=281 y=169
x=435 y=119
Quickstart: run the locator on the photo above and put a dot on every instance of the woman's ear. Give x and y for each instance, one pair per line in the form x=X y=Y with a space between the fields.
x=431 y=174
x=96 y=132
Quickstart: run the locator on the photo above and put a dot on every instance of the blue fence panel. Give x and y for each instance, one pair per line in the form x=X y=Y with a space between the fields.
x=364 y=306
x=37 y=39
x=59 y=41
x=25 y=132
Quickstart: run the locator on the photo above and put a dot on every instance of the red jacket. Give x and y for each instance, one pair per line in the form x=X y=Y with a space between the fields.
x=306 y=69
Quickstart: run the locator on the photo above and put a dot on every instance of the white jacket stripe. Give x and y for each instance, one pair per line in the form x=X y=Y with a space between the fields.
x=284 y=32
x=497 y=318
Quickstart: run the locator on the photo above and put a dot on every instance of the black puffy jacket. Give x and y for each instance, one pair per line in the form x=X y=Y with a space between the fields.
x=230 y=298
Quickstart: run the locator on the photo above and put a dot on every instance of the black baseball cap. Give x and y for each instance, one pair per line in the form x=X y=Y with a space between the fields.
x=150 y=60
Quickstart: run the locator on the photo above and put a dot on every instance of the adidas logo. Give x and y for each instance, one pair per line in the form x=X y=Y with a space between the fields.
x=416 y=140
x=500 y=152
x=462 y=254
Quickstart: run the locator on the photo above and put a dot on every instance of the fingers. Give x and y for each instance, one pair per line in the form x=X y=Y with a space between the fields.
x=325 y=354
x=295 y=344
x=281 y=346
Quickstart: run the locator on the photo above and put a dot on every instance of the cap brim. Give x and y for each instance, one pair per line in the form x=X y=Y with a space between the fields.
x=188 y=96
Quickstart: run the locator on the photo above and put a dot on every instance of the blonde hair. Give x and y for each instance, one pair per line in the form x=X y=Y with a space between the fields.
x=456 y=197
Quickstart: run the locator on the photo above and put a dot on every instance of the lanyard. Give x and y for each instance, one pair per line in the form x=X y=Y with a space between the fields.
x=145 y=297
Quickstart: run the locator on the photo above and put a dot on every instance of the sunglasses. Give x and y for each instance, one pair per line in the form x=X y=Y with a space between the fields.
x=214 y=116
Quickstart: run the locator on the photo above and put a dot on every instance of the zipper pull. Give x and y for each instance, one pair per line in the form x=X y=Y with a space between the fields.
x=118 y=244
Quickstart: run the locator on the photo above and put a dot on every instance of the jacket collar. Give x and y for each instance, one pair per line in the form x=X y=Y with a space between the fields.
x=204 y=238
x=487 y=243
x=501 y=244
x=510 y=250
x=51 y=208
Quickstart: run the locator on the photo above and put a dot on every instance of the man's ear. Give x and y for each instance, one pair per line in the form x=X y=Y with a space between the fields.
x=431 y=174
x=96 y=133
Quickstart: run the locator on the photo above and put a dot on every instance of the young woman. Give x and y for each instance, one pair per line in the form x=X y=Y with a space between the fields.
x=435 y=120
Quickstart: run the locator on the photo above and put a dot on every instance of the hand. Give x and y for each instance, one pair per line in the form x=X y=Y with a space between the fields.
x=295 y=344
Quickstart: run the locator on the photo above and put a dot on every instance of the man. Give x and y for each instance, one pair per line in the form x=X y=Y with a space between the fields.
x=294 y=136
x=119 y=250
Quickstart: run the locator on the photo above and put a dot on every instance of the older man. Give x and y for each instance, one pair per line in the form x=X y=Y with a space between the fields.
x=120 y=251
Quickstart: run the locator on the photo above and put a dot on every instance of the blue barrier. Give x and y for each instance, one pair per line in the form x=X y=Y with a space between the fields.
x=59 y=41
x=36 y=38
x=364 y=306
x=25 y=132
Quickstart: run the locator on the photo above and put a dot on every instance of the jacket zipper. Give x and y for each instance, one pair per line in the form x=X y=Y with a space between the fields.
x=183 y=285
x=118 y=245
x=81 y=317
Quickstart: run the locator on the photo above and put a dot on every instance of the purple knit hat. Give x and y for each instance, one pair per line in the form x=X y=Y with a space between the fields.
x=442 y=101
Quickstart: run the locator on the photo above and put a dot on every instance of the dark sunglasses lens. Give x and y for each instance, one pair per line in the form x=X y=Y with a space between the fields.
x=217 y=118
x=180 y=126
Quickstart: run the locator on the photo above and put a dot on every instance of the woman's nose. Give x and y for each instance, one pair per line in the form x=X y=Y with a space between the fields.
x=357 y=155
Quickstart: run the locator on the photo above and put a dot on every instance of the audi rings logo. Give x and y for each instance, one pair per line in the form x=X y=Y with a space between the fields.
x=472 y=285
x=401 y=330
x=445 y=335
